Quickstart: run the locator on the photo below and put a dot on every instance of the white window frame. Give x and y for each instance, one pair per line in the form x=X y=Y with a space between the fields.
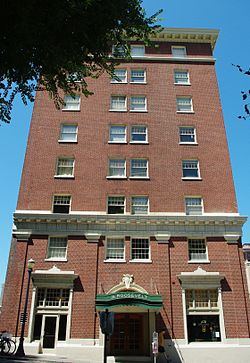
x=114 y=80
x=61 y=140
x=178 y=105
x=123 y=176
x=67 y=176
x=174 y=47
x=114 y=239
x=72 y=103
x=140 y=109
x=194 y=207
x=204 y=258
x=138 y=205
x=143 y=79
x=138 y=168
x=65 y=204
x=188 y=142
x=190 y=161
x=182 y=83
x=124 y=141
x=138 y=141
x=118 y=109
x=140 y=260
x=124 y=204
x=134 y=46
x=51 y=258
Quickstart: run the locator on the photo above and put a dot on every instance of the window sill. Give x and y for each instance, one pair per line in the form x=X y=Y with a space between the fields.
x=199 y=261
x=139 y=177
x=65 y=110
x=56 y=259
x=110 y=260
x=182 y=84
x=188 y=143
x=116 y=177
x=64 y=177
x=145 y=111
x=140 y=261
x=184 y=111
x=117 y=110
x=139 y=142
x=137 y=82
x=190 y=178
x=114 y=82
x=117 y=142
x=68 y=141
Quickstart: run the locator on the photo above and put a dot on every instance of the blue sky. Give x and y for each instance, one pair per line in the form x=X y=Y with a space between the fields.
x=233 y=46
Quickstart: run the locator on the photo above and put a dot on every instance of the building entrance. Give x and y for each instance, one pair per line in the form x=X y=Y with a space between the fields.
x=130 y=335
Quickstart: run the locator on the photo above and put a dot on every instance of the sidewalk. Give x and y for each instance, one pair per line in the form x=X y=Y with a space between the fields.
x=41 y=359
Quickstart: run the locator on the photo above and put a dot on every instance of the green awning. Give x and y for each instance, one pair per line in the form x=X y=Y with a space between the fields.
x=128 y=298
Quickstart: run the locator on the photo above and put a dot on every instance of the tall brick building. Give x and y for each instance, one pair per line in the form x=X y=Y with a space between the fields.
x=127 y=203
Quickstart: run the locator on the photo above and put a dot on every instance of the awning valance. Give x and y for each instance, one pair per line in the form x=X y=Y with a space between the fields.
x=128 y=298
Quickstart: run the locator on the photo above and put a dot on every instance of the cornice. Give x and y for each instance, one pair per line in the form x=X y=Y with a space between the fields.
x=187 y=35
x=97 y=225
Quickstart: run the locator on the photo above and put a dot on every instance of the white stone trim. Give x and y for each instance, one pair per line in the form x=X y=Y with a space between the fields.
x=232 y=238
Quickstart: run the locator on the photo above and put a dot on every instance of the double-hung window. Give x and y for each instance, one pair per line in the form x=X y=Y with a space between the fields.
x=194 y=206
x=138 y=103
x=184 y=104
x=117 y=134
x=120 y=76
x=181 y=77
x=138 y=76
x=139 y=134
x=179 y=51
x=190 y=169
x=65 y=167
x=119 y=51
x=187 y=135
x=140 y=249
x=71 y=103
x=118 y=103
x=139 y=205
x=117 y=168
x=139 y=168
x=197 y=250
x=68 y=133
x=57 y=248
x=137 y=51
x=116 y=205
x=61 y=203
x=115 y=249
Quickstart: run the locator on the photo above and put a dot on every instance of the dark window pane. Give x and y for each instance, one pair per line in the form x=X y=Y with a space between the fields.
x=37 y=327
x=203 y=328
x=61 y=209
x=62 y=327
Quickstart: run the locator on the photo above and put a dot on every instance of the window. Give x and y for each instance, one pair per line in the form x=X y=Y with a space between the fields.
x=115 y=249
x=57 y=247
x=138 y=76
x=190 y=169
x=139 y=134
x=187 y=135
x=61 y=203
x=117 y=168
x=65 y=167
x=140 y=249
x=138 y=103
x=52 y=297
x=71 y=103
x=181 y=77
x=139 y=168
x=68 y=133
x=117 y=133
x=193 y=206
x=118 y=103
x=120 y=76
x=137 y=51
x=184 y=104
x=197 y=250
x=139 y=205
x=179 y=51
x=116 y=205
x=118 y=51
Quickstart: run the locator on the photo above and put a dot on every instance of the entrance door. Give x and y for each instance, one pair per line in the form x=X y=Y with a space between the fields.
x=128 y=335
x=49 y=331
